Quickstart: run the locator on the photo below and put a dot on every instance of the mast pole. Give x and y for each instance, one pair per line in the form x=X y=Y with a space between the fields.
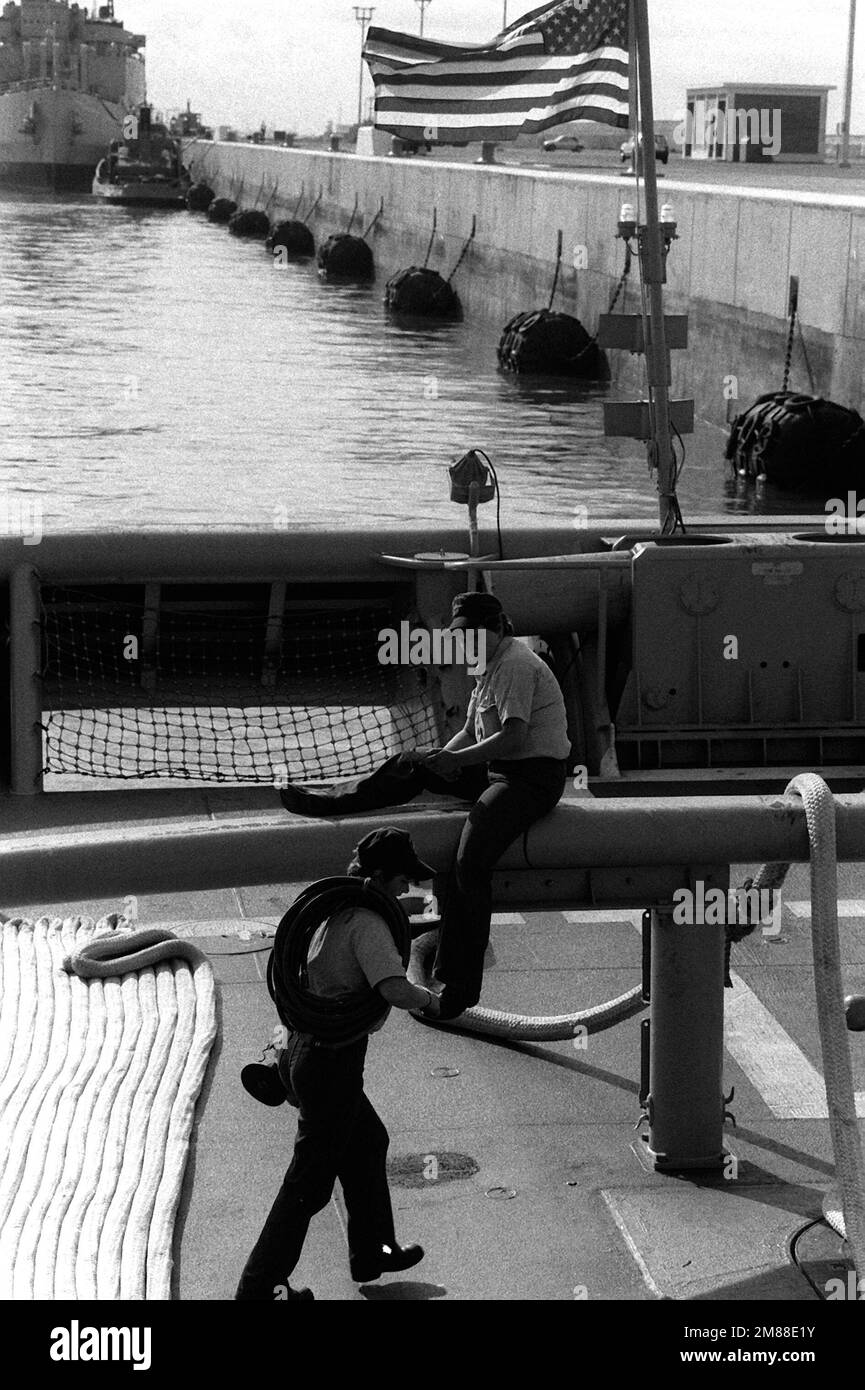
x=633 y=94
x=661 y=454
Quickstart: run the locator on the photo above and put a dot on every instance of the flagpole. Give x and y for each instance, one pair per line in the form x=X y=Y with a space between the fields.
x=657 y=354
x=363 y=14
x=422 y=6
x=633 y=98
x=848 y=89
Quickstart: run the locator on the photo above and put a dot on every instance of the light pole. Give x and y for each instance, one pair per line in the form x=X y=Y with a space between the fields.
x=505 y=16
x=363 y=14
x=422 y=6
x=848 y=90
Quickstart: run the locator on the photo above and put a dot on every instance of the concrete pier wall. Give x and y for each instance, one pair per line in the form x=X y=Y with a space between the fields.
x=730 y=270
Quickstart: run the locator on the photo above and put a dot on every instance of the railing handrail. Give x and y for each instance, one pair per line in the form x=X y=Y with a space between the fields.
x=48 y=863
x=217 y=553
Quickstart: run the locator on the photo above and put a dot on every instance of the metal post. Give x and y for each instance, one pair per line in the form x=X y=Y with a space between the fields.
x=505 y=16
x=274 y=634
x=686 y=1103
x=150 y=637
x=363 y=14
x=25 y=658
x=661 y=445
x=848 y=89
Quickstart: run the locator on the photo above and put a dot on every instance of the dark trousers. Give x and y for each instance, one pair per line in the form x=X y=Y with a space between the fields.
x=339 y=1135
x=508 y=798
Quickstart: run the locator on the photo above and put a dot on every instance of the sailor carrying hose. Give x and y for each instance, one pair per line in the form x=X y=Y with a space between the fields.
x=510 y=760
x=338 y=963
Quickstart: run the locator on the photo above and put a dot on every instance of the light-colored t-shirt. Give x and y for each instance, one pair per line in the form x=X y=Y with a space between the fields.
x=518 y=685
x=351 y=952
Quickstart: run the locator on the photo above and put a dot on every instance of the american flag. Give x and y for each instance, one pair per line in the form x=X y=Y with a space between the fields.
x=563 y=62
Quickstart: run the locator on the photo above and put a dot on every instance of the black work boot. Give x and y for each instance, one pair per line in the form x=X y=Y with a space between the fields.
x=386 y=1260
x=264 y=1083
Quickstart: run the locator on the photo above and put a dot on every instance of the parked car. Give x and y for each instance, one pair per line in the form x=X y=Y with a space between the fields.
x=662 y=149
x=565 y=142
x=400 y=148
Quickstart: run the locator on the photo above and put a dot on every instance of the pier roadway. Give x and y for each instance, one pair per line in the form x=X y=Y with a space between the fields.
x=752 y=178
x=517 y=1166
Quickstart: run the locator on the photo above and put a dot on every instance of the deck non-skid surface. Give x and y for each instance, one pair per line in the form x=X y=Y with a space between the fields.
x=563 y=1204
x=559 y=1201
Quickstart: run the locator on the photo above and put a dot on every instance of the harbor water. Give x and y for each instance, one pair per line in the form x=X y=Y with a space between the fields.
x=157 y=372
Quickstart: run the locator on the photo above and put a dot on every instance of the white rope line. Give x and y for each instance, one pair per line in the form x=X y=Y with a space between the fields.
x=496 y=1023
x=834 y=1038
x=98 y=1083
x=844 y=1209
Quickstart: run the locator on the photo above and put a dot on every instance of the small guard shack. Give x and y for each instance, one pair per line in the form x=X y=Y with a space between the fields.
x=744 y=122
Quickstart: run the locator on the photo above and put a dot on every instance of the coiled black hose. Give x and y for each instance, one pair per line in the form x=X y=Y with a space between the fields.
x=333 y=1021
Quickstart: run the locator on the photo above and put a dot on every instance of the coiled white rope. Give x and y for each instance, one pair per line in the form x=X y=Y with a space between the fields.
x=104 y=1042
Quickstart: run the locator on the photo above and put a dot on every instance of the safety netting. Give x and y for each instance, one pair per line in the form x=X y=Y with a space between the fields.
x=224 y=687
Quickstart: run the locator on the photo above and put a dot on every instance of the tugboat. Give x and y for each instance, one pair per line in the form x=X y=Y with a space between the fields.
x=68 y=76
x=144 y=168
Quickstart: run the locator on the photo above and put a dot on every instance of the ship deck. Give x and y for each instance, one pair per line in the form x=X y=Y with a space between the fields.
x=543 y=1189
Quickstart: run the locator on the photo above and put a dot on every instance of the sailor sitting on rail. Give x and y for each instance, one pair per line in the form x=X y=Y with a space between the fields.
x=338 y=963
x=510 y=759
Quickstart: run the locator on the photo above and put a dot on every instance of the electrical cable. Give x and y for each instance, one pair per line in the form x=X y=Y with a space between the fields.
x=792 y=1250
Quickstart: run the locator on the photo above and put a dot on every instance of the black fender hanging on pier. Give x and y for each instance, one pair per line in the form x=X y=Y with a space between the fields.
x=344 y=257
x=250 y=223
x=294 y=238
x=422 y=293
x=803 y=443
x=221 y=210
x=545 y=343
x=199 y=197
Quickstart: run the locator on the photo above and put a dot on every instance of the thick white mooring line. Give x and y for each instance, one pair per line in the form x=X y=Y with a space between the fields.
x=843 y=1209
x=99 y=1078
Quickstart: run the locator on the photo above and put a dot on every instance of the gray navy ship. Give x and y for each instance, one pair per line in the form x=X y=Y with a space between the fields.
x=68 y=76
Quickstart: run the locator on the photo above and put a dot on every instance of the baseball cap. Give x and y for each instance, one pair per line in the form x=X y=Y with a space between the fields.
x=476 y=611
x=392 y=851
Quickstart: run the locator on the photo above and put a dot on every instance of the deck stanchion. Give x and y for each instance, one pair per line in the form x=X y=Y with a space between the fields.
x=25 y=658
x=686 y=1104
x=274 y=635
